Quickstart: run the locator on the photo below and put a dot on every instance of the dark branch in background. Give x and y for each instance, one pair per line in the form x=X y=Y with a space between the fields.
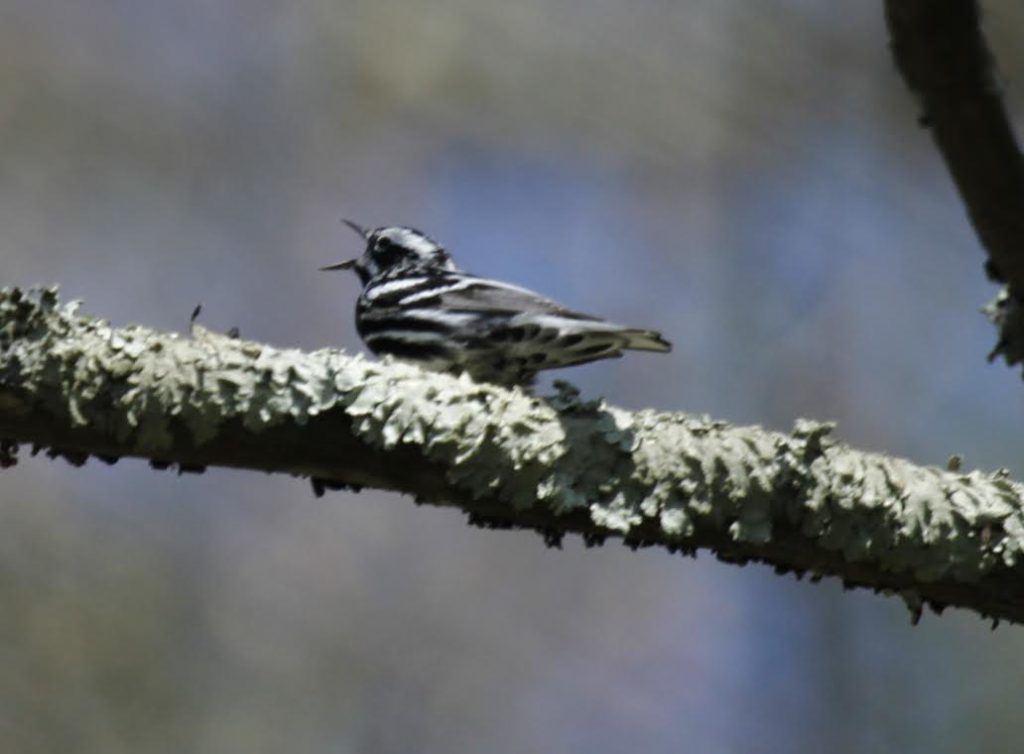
x=939 y=49
x=941 y=53
x=77 y=387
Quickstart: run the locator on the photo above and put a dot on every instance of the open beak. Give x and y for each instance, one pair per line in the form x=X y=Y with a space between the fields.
x=357 y=228
x=346 y=265
x=350 y=263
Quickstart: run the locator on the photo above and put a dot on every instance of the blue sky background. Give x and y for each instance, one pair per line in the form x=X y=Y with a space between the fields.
x=747 y=178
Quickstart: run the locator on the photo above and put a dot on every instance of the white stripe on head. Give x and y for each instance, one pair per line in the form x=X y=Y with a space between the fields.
x=395 y=247
x=412 y=240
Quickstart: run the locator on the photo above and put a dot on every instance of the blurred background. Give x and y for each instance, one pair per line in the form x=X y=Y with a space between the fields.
x=746 y=177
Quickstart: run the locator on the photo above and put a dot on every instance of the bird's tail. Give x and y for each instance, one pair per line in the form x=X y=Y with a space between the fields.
x=603 y=340
x=645 y=340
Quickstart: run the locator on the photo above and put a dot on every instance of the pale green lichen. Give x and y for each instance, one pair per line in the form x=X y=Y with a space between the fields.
x=671 y=474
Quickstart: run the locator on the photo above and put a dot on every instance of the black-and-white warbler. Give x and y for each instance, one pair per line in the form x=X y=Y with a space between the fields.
x=417 y=305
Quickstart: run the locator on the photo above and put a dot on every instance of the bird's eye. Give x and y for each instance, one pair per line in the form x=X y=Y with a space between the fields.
x=383 y=244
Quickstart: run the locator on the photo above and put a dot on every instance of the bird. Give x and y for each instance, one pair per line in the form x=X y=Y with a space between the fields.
x=418 y=306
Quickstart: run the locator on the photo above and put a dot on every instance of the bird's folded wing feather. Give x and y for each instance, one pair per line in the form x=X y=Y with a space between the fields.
x=470 y=293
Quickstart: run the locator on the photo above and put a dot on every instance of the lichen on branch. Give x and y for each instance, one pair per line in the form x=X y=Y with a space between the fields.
x=800 y=500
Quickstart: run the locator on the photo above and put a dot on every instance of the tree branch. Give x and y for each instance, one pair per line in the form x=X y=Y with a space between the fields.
x=799 y=501
x=944 y=59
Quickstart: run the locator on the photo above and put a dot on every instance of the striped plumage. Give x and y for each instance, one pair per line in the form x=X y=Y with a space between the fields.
x=417 y=305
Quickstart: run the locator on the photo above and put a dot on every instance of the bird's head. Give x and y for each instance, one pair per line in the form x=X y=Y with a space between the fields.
x=391 y=248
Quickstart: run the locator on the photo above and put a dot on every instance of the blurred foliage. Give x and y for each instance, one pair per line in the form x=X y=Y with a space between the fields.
x=747 y=177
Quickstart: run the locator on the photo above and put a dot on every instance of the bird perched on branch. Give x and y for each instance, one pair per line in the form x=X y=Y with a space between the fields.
x=417 y=305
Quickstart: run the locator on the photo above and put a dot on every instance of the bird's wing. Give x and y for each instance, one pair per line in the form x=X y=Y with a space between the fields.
x=526 y=321
x=469 y=293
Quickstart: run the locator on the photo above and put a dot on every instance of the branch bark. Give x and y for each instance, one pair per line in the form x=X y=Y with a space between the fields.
x=799 y=501
x=942 y=54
